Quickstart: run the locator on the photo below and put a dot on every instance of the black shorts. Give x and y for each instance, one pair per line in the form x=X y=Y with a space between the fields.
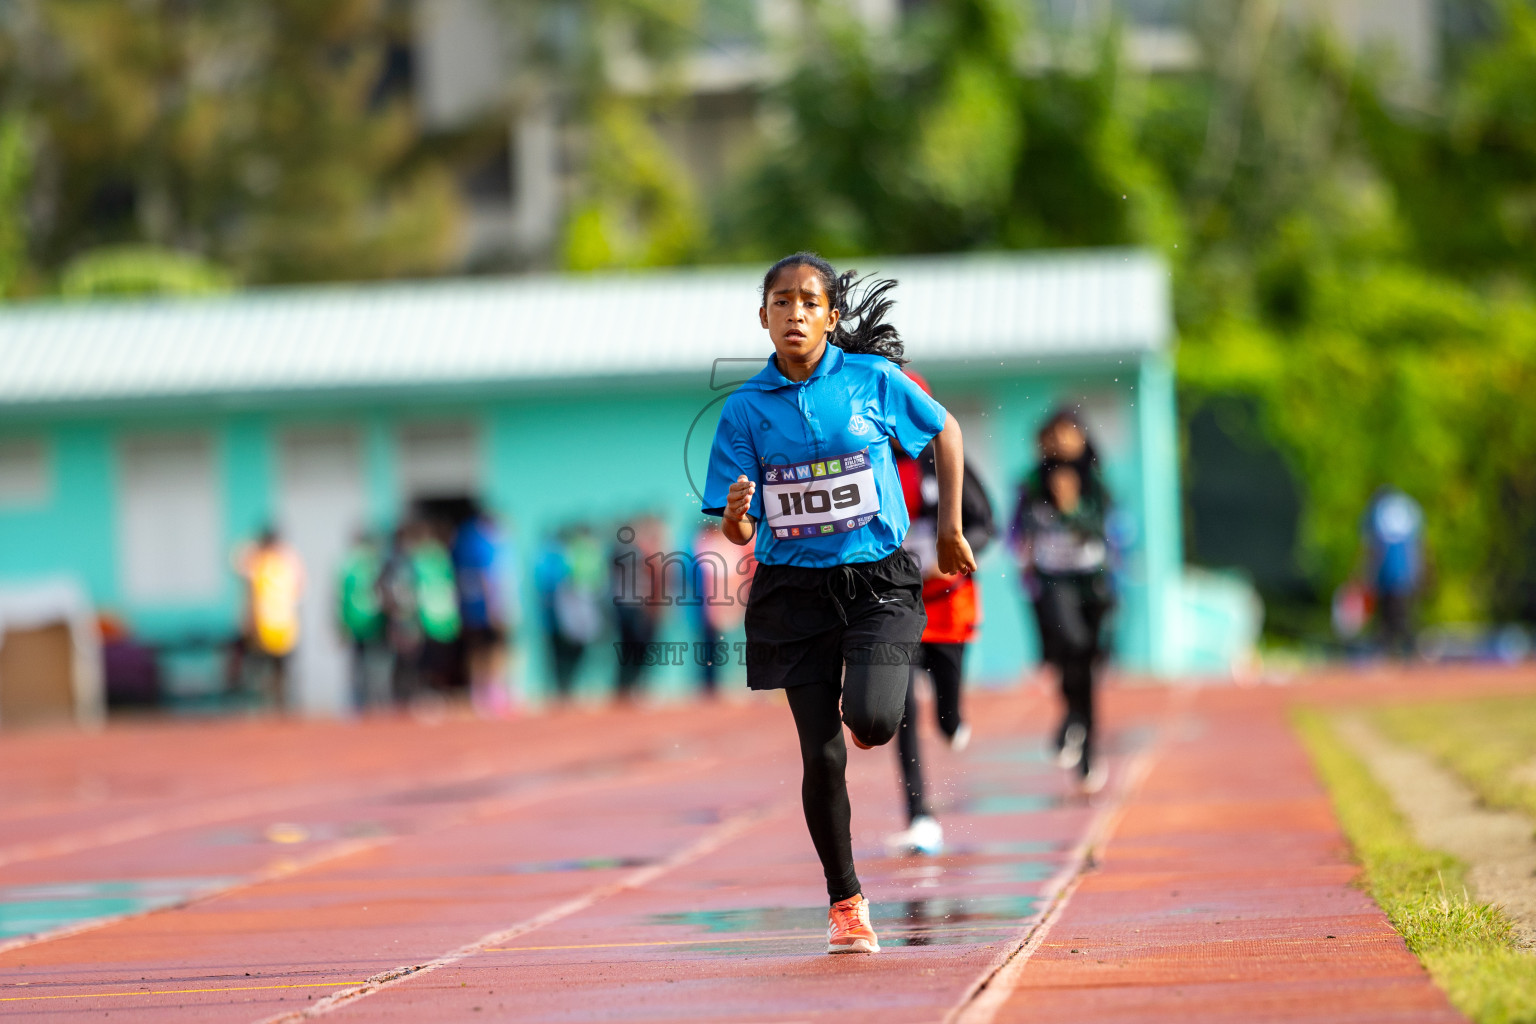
x=803 y=623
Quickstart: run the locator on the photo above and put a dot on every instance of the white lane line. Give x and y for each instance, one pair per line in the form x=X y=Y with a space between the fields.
x=987 y=994
x=711 y=841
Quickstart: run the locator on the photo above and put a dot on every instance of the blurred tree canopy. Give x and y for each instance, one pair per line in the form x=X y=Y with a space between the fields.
x=263 y=135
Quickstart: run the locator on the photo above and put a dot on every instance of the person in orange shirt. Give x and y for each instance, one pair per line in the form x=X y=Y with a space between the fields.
x=274 y=582
x=953 y=604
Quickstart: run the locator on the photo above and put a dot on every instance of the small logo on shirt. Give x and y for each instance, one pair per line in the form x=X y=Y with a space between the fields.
x=819 y=469
x=772 y=476
x=827 y=527
x=803 y=472
x=781 y=533
x=858 y=425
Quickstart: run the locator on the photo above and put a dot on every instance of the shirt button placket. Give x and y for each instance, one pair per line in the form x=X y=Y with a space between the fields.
x=812 y=426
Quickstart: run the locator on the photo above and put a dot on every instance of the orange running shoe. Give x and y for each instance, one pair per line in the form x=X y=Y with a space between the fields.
x=858 y=742
x=848 y=929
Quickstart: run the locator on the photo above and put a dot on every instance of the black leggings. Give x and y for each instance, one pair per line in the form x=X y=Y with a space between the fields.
x=945 y=665
x=1071 y=612
x=872 y=696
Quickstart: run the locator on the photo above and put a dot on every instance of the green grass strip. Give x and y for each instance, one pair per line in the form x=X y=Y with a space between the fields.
x=1490 y=742
x=1467 y=947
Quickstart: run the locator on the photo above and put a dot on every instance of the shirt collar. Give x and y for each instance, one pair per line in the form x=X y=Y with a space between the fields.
x=769 y=378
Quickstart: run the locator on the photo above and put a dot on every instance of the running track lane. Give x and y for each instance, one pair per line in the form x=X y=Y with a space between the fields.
x=673 y=881
x=693 y=851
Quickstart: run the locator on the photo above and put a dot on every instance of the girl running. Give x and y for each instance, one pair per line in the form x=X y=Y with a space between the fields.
x=1058 y=535
x=804 y=449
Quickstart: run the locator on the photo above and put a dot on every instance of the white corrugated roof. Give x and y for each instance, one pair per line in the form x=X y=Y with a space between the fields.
x=949 y=309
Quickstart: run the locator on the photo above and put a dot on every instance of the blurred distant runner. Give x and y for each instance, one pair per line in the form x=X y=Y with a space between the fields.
x=437 y=605
x=1058 y=535
x=480 y=565
x=802 y=465
x=1393 y=532
x=637 y=609
x=363 y=622
x=721 y=572
x=274 y=583
x=953 y=606
x=567 y=575
x=422 y=608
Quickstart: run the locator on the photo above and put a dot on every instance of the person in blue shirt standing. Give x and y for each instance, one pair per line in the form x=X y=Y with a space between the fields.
x=802 y=466
x=1393 y=531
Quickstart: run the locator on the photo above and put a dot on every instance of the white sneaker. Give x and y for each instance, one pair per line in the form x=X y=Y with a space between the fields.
x=1071 y=753
x=961 y=739
x=1097 y=777
x=924 y=837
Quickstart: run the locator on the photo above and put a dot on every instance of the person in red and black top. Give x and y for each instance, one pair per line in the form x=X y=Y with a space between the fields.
x=953 y=605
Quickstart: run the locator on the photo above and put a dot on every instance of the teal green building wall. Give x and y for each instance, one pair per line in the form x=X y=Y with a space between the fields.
x=599 y=451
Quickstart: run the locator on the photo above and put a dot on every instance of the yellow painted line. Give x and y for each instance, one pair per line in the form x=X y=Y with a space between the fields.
x=896 y=933
x=173 y=991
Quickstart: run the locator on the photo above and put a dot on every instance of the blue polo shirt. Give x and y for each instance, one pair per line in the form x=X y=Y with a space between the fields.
x=819 y=450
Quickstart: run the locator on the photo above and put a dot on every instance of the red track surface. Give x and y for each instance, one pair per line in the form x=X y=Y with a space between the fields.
x=653 y=866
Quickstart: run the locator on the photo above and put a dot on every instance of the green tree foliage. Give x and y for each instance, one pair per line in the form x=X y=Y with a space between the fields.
x=140 y=270
x=936 y=139
x=15 y=170
x=259 y=134
x=1353 y=263
x=611 y=67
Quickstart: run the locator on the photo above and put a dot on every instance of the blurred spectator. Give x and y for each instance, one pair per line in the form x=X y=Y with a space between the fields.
x=1059 y=537
x=480 y=564
x=363 y=623
x=273 y=579
x=1393 y=534
x=402 y=625
x=437 y=606
x=721 y=570
x=567 y=576
x=637 y=606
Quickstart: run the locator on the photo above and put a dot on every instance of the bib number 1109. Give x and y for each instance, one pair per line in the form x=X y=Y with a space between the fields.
x=798 y=503
x=825 y=496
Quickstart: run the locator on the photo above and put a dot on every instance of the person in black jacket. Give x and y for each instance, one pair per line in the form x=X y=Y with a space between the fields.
x=1058 y=536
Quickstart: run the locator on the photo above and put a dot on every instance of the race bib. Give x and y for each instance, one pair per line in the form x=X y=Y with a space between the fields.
x=813 y=499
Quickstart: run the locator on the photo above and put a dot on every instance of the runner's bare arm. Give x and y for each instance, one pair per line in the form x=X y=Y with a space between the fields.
x=738 y=527
x=949 y=461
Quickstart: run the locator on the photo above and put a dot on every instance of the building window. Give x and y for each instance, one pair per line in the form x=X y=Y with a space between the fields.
x=170 y=526
x=24 y=477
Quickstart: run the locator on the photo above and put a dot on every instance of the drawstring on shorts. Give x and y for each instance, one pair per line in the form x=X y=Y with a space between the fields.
x=845 y=579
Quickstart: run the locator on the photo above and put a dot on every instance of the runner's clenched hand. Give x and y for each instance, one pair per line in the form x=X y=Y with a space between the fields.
x=955 y=554
x=739 y=498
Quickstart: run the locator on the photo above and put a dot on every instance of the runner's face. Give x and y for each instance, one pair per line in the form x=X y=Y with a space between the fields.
x=798 y=315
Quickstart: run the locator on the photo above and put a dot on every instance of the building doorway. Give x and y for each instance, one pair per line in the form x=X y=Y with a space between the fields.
x=322 y=502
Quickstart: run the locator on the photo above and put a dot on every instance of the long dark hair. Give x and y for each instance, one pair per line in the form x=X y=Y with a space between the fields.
x=861 y=304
